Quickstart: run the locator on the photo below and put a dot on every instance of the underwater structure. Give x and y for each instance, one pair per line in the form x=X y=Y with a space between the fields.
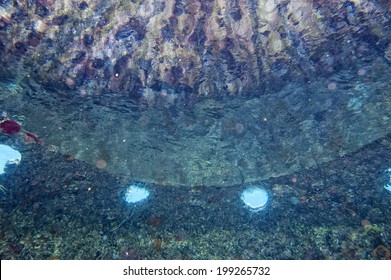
x=188 y=92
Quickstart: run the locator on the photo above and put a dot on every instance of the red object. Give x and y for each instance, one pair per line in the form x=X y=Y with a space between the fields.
x=9 y=127
x=35 y=137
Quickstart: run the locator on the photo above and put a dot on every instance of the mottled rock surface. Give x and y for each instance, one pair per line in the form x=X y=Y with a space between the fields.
x=203 y=47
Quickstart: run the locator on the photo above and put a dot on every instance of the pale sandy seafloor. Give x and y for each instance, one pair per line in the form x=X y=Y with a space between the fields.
x=55 y=207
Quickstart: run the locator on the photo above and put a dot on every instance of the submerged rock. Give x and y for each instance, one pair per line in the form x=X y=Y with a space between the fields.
x=192 y=92
x=205 y=47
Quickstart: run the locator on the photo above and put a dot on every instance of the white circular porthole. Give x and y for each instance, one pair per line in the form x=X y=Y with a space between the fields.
x=8 y=155
x=255 y=197
x=135 y=193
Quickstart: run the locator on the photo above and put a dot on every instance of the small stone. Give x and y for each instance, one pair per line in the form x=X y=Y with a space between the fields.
x=88 y=40
x=365 y=223
x=83 y=6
